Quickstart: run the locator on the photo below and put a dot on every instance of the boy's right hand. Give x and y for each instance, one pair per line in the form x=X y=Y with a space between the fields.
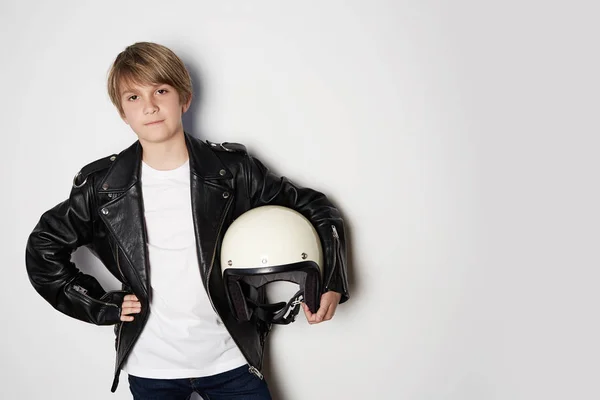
x=131 y=305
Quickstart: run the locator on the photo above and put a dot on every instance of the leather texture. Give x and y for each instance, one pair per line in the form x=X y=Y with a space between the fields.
x=105 y=213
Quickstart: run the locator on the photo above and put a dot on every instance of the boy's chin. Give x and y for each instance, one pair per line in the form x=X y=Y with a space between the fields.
x=158 y=136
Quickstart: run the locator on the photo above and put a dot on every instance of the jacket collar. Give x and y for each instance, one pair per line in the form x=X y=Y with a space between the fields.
x=125 y=170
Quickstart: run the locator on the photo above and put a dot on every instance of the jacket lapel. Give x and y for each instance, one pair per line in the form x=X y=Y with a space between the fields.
x=124 y=214
x=211 y=197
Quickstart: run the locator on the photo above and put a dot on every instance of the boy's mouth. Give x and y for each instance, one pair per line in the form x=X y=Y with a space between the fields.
x=154 y=122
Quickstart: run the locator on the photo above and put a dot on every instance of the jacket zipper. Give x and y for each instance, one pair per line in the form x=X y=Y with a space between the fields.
x=120 y=323
x=335 y=232
x=251 y=368
x=118 y=366
x=82 y=292
x=336 y=238
x=255 y=371
x=337 y=259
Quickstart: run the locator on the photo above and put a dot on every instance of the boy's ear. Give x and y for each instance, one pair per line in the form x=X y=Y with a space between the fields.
x=186 y=106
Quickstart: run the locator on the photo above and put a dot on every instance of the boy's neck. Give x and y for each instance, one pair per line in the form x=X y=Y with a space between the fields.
x=165 y=155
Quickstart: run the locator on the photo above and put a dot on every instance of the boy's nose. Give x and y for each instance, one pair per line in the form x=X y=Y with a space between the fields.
x=150 y=108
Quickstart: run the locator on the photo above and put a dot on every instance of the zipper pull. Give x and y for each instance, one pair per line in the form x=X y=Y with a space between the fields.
x=255 y=371
x=80 y=289
x=335 y=232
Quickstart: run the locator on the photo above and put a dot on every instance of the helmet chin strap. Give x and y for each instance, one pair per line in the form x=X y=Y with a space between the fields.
x=291 y=310
x=278 y=313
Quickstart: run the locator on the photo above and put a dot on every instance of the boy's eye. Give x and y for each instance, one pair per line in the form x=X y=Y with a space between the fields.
x=162 y=91
x=134 y=97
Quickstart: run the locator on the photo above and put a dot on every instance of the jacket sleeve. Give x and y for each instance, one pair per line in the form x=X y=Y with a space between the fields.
x=266 y=188
x=58 y=233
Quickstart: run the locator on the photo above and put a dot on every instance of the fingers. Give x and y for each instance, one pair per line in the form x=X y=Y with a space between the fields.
x=307 y=313
x=319 y=316
x=326 y=311
x=330 y=312
x=322 y=311
x=131 y=305
x=310 y=317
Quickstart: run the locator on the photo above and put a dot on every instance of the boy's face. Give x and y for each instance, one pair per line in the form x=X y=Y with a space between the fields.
x=153 y=111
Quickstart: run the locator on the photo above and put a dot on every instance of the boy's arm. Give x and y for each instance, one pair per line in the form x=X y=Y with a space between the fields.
x=267 y=188
x=58 y=233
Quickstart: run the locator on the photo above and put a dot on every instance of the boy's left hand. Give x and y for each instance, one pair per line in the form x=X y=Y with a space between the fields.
x=329 y=302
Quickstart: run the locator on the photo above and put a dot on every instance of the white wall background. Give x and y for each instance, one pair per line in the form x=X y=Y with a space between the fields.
x=460 y=140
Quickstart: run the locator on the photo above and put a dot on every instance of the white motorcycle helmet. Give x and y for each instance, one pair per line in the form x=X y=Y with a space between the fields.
x=269 y=244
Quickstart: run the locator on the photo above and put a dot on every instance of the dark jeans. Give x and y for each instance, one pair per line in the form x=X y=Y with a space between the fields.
x=238 y=384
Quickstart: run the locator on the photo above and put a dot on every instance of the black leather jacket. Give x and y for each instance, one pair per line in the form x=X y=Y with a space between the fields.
x=105 y=213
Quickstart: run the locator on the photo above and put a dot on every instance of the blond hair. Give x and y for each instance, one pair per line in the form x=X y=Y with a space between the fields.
x=148 y=63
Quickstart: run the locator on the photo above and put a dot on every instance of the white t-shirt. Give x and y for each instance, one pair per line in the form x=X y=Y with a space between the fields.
x=184 y=337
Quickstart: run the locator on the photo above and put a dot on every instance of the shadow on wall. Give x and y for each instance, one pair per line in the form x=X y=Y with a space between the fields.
x=194 y=112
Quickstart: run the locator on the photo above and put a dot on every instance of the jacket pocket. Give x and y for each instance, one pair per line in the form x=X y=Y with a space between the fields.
x=103 y=311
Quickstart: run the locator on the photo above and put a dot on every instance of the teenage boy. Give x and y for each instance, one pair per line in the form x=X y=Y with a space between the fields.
x=175 y=333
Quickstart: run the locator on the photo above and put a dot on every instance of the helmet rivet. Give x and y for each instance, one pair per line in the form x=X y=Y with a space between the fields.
x=229 y=263
x=304 y=255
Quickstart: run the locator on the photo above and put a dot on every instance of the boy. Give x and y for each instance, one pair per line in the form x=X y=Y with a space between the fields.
x=133 y=211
